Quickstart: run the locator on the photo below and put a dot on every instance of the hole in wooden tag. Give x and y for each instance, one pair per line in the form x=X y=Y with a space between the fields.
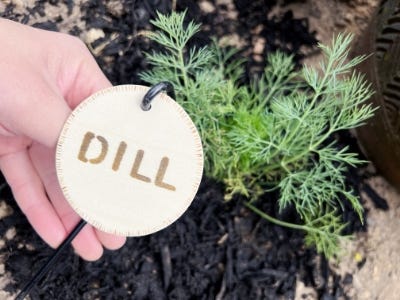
x=128 y=171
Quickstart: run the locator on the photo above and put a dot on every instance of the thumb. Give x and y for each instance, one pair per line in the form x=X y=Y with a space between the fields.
x=88 y=79
x=50 y=118
x=38 y=113
x=40 y=109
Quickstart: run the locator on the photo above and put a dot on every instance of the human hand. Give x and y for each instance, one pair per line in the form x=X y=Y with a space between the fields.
x=43 y=75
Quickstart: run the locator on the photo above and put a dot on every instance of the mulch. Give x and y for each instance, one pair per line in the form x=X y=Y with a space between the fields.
x=216 y=250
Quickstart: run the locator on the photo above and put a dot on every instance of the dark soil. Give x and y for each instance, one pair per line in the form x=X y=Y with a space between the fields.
x=216 y=250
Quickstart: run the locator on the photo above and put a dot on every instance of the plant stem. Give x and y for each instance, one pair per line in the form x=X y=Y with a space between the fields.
x=280 y=222
x=181 y=66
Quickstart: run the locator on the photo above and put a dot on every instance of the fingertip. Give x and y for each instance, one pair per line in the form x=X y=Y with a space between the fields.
x=110 y=241
x=87 y=246
x=92 y=256
x=31 y=197
x=54 y=236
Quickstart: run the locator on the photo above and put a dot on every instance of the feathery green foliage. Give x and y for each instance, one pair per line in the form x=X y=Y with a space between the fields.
x=276 y=132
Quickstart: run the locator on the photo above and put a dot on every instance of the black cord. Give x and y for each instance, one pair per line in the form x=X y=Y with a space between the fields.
x=154 y=91
x=47 y=266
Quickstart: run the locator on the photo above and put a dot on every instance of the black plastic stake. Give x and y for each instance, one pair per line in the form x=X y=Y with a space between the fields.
x=47 y=266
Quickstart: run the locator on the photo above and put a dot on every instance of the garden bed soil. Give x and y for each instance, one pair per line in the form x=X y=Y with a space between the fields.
x=377 y=251
x=216 y=250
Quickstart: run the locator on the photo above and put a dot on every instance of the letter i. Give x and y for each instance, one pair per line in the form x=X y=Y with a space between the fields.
x=118 y=157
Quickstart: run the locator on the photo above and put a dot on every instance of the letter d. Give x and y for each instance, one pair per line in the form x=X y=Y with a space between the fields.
x=87 y=139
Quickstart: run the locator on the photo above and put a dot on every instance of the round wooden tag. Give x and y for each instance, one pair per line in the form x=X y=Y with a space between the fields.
x=128 y=171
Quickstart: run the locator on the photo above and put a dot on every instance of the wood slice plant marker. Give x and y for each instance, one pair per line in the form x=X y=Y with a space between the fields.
x=126 y=167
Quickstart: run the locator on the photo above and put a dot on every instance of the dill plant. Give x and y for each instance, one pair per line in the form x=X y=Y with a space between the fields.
x=274 y=133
